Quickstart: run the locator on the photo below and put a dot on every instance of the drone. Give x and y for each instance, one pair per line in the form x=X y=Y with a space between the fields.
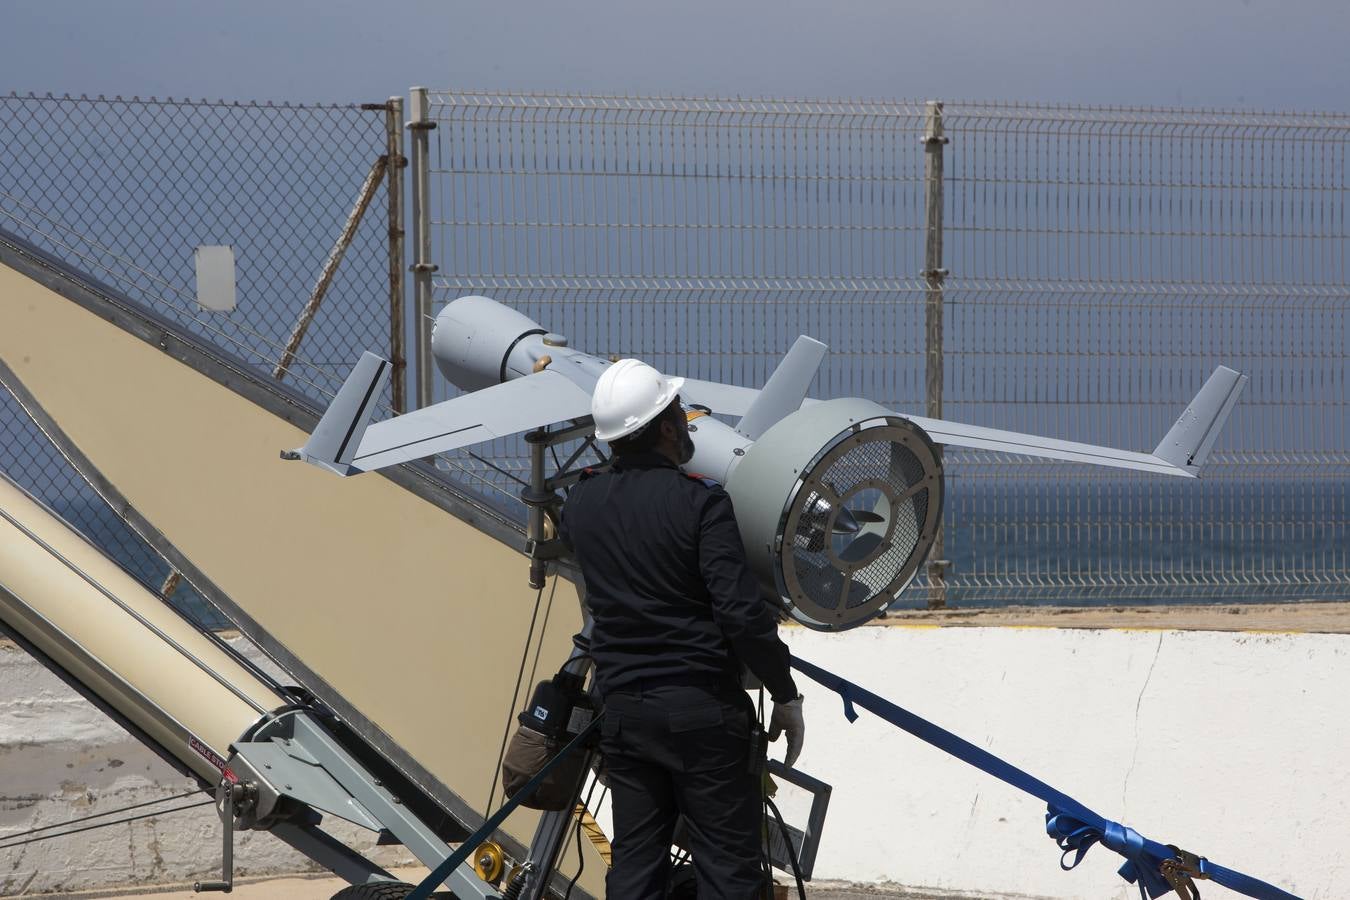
x=839 y=501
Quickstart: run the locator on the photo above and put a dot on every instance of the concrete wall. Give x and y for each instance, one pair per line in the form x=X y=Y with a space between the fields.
x=1231 y=745
x=62 y=759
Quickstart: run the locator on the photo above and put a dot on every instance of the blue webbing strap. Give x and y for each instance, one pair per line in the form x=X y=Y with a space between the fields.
x=453 y=861
x=1073 y=826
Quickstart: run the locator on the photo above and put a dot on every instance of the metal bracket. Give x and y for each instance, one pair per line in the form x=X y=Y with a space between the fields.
x=541 y=494
x=230 y=792
x=300 y=766
x=546 y=550
x=1181 y=870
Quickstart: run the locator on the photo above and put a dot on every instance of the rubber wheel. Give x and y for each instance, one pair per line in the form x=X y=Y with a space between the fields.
x=382 y=890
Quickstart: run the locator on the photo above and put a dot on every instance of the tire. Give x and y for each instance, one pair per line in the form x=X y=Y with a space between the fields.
x=380 y=890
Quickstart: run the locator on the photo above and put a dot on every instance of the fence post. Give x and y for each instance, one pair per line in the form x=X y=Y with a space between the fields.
x=398 y=357
x=934 y=274
x=421 y=125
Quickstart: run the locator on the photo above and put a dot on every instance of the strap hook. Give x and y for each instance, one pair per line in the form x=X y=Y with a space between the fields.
x=1180 y=871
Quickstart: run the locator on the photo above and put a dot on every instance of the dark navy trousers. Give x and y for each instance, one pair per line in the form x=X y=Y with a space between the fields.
x=673 y=750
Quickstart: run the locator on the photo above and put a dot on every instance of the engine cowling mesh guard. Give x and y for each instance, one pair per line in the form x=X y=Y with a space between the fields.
x=861 y=521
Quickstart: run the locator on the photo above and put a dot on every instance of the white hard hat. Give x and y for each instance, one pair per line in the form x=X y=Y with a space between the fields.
x=628 y=395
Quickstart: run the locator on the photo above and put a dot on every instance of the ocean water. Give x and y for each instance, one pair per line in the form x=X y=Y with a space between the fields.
x=1094 y=544
x=1140 y=540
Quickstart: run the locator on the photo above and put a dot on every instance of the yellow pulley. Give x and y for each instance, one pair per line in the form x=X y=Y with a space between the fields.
x=489 y=861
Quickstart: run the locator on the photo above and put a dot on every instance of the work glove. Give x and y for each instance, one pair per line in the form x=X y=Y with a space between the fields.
x=787 y=718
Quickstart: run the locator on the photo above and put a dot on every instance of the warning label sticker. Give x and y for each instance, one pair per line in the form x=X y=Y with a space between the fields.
x=205 y=752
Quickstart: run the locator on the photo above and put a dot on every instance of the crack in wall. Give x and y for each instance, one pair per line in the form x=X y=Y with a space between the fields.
x=1138 y=705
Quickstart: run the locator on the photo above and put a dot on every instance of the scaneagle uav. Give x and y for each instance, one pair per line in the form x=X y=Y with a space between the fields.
x=838 y=501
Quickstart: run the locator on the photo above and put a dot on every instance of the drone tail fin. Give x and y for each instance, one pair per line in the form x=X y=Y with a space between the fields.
x=339 y=432
x=786 y=388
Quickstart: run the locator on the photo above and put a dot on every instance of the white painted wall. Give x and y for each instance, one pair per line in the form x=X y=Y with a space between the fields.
x=1232 y=745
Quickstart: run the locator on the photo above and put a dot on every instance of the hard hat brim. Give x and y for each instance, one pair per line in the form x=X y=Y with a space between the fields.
x=636 y=424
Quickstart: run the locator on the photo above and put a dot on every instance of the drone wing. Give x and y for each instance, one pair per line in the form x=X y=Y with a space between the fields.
x=1182 y=452
x=521 y=404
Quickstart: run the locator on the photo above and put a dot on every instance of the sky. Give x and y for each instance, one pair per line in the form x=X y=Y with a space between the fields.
x=1236 y=54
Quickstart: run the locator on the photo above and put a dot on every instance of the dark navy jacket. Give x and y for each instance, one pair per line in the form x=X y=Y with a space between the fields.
x=667 y=582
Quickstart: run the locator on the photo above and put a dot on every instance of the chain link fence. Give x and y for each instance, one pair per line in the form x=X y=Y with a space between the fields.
x=1098 y=264
x=125 y=190
x=33 y=462
x=1093 y=265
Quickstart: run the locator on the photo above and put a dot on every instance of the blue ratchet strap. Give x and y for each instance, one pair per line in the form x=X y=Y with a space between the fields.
x=453 y=861
x=1155 y=868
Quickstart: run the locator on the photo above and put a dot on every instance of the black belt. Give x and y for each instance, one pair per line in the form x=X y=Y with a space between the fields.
x=710 y=681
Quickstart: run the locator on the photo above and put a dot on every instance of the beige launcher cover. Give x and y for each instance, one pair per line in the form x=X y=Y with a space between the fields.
x=416 y=618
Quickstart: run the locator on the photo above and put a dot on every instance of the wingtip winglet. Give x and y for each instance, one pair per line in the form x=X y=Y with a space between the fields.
x=1187 y=444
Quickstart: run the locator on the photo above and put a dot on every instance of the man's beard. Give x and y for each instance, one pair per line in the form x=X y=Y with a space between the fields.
x=685 y=448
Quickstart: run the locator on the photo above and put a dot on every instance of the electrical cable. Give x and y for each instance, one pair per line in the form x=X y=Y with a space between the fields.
x=581 y=859
x=515 y=694
x=581 y=864
x=149 y=815
x=791 y=850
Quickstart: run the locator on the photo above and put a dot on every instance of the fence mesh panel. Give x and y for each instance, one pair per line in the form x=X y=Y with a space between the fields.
x=125 y=190
x=1102 y=262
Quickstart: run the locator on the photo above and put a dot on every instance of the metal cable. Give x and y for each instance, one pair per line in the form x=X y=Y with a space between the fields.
x=111 y=812
x=543 y=630
x=515 y=694
x=164 y=812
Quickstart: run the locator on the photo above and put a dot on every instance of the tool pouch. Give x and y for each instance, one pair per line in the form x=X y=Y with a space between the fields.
x=527 y=753
x=559 y=710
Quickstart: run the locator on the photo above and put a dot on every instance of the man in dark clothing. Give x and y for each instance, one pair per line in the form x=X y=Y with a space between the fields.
x=676 y=612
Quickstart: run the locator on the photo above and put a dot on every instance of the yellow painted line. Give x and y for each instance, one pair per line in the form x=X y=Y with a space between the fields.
x=1147 y=629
